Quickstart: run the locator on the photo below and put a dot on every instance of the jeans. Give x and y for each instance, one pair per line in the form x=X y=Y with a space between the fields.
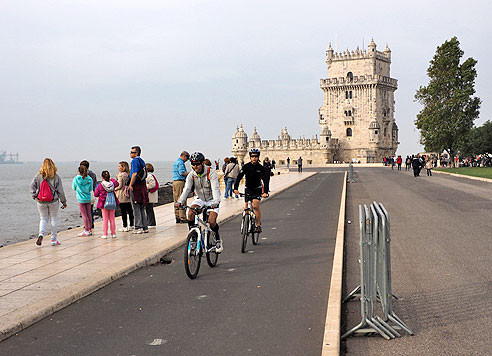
x=126 y=209
x=429 y=172
x=108 y=216
x=149 y=209
x=85 y=210
x=229 y=184
x=139 y=213
x=48 y=211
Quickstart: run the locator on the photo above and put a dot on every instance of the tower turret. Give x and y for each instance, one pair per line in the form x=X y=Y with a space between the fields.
x=240 y=143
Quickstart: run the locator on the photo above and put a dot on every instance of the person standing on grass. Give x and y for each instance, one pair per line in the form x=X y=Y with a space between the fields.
x=47 y=190
x=102 y=191
x=179 y=177
x=138 y=190
x=123 y=194
x=82 y=184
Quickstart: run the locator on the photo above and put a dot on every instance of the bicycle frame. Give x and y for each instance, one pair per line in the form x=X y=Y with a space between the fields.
x=201 y=242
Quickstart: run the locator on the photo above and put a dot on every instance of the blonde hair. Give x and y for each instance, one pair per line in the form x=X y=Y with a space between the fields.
x=48 y=169
x=125 y=166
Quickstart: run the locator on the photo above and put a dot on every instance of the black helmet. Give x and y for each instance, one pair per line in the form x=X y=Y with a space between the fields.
x=197 y=157
x=254 y=151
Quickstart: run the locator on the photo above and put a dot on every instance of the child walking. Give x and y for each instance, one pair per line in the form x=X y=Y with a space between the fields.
x=107 y=187
x=82 y=184
x=123 y=195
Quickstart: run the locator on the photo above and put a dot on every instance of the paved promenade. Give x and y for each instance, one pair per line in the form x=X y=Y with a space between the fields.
x=37 y=281
x=441 y=262
x=271 y=300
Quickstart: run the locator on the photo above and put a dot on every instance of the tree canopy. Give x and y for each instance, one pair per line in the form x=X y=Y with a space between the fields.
x=449 y=104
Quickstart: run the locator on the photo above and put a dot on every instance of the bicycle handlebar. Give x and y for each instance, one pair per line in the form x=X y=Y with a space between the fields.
x=258 y=197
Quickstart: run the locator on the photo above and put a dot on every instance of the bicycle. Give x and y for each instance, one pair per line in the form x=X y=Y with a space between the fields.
x=248 y=224
x=200 y=239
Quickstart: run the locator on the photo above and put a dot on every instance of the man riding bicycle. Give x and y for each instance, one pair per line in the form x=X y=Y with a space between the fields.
x=205 y=183
x=256 y=184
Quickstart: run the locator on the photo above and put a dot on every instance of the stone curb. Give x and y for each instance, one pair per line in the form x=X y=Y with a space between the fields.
x=488 y=180
x=25 y=317
x=331 y=338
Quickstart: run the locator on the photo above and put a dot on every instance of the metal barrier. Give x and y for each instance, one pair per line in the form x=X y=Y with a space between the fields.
x=350 y=178
x=375 y=276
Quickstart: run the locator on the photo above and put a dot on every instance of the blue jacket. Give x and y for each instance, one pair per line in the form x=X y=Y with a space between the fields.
x=178 y=170
x=83 y=188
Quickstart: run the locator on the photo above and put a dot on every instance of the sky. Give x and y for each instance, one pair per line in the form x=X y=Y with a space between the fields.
x=89 y=79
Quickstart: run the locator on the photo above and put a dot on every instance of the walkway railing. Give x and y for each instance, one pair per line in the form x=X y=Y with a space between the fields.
x=375 y=276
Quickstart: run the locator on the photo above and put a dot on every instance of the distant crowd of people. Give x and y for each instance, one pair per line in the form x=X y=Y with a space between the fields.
x=134 y=190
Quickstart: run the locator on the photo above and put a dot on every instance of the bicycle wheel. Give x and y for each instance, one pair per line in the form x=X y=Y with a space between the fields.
x=254 y=235
x=245 y=232
x=192 y=256
x=212 y=257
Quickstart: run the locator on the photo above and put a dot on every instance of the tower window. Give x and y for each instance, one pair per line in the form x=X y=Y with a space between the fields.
x=350 y=94
x=346 y=95
x=350 y=76
x=349 y=132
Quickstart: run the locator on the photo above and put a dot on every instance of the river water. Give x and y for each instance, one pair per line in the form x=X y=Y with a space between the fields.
x=19 y=218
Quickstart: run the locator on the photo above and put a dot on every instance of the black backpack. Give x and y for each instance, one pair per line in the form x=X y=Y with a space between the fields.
x=142 y=173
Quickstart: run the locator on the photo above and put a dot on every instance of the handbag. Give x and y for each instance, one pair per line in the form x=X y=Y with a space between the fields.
x=110 y=203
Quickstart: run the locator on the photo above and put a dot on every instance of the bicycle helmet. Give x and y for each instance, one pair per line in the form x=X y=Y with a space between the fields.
x=254 y=151
x=197 y=157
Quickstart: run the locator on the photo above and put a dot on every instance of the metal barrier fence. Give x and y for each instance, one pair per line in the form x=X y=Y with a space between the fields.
x=375 y=276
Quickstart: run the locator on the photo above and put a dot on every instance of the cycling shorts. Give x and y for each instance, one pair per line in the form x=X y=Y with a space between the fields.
x=256 y=192
x=202 y=203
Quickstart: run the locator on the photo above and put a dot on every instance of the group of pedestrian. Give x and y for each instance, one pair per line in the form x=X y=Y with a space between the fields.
x=134 y=190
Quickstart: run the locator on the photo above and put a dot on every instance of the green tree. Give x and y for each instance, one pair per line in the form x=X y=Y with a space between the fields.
x=479 y=140
x=448 y=100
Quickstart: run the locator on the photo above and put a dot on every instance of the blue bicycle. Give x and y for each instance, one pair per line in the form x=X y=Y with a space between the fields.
x=200 y=239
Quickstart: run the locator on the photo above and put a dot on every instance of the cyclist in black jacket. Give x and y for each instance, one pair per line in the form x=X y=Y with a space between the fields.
x=256 y=183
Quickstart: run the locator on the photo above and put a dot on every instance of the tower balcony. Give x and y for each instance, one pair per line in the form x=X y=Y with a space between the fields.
x=358 y=80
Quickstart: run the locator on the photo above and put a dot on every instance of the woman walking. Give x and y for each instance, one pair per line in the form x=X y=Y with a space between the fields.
x=123 y=195
x=104 y=192
x=153 y=189
x=82 y=184
x=47 y=190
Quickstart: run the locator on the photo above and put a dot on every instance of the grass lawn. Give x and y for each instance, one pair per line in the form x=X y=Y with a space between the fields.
x=470 y=171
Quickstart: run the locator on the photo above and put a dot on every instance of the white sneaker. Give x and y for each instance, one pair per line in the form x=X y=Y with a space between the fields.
x=104 y=237
x=83 y=233
x=218 y=246
x=113 y=236
x=123 y=229
x=138 y=231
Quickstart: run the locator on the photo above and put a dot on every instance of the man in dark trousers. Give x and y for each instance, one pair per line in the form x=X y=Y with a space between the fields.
x=416 y=165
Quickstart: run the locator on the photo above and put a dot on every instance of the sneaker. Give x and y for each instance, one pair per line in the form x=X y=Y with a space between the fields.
x=178 y=220
x=146 y=231
x=113 y=236
x=137 y=231
x=258 y=229
x=85 y=233
x=123 y=229
x=89 y=233
x=39 y=241
x=55 y=242
x=104 y=237
x=218 y=246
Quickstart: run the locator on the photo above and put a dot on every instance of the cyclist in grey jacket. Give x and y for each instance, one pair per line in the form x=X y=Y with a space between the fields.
x=204 y=182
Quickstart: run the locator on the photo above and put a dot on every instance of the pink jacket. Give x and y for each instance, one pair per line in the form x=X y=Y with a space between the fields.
x=101 y=192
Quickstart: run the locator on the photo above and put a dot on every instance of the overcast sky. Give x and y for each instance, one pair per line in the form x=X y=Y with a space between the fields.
x=89 y=79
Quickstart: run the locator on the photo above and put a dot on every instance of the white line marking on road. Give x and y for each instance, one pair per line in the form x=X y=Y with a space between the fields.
x=264 y=238
x=231 y=269
x=274 y=228
x=201 y=297
x=157 y=342
x=288 y=214
x=251 y=251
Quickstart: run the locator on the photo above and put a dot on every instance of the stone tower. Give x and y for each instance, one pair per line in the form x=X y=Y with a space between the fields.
x=240 y=142
x=359 y=104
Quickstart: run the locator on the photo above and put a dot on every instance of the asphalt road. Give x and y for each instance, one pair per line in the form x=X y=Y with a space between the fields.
x=269 y=301
x=441 y=262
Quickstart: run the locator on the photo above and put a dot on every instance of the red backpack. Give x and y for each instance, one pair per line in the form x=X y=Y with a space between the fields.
x=156 y=185
x=45 y=193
